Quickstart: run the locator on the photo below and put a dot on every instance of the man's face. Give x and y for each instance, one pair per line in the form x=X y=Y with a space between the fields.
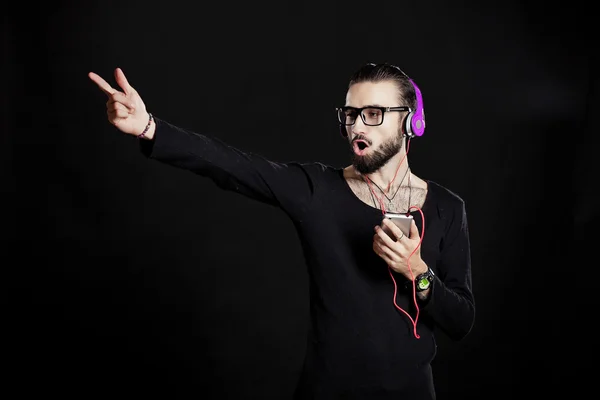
x=383 y=141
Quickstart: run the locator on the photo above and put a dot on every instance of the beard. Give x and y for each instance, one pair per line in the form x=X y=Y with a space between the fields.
x=376 y=159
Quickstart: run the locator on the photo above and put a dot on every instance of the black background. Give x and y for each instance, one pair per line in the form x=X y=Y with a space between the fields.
x=126 y=278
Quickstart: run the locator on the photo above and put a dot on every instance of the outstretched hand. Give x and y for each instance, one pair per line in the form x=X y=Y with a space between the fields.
x=125 y=109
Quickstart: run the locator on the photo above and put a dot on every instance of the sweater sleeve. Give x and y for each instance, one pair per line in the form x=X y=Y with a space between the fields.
x=285 y=185
x=451 y=304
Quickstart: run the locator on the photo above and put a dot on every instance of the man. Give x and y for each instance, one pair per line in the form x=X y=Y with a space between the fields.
x=376 y=293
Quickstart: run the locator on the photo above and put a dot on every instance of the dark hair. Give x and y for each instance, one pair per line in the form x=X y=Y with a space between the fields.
x=387 y=72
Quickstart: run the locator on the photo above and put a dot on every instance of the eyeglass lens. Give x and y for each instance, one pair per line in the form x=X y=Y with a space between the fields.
x=370 y=116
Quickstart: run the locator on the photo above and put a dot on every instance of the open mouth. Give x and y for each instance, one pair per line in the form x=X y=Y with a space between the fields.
x=360 y=147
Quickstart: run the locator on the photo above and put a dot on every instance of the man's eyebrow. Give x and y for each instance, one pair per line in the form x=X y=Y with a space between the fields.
x=368 y=105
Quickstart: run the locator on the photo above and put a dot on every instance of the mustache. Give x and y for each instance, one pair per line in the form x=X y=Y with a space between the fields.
x=363 y=138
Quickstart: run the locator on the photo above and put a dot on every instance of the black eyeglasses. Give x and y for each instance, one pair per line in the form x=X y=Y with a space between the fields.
x=370 y=115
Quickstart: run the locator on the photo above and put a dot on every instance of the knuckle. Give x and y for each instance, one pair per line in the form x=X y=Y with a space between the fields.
x=117 y=97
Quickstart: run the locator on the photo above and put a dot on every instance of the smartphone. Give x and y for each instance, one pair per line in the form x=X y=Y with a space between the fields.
x=402 y=221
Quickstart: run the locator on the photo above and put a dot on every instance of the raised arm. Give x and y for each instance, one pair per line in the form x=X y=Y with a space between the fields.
x=285 y=185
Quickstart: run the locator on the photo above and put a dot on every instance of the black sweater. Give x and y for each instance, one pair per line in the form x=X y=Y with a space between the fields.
x=359 y=345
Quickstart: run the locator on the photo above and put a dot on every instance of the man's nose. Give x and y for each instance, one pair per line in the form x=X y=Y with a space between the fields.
x=358 y=126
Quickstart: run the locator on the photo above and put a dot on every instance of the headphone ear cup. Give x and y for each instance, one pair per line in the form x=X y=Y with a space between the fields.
x=417 y=121
x=408 y=125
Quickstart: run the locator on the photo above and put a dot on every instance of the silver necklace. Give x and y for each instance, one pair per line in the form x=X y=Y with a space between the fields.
x=390 y=199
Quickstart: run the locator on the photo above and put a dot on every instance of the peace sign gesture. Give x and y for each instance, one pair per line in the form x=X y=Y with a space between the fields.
x=125 y=109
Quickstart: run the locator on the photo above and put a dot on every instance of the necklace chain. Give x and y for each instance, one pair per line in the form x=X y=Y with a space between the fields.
x=395 y=193
x=397 y=189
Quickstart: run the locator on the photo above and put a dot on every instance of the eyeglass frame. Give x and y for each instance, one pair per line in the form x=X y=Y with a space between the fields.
x=360 y=112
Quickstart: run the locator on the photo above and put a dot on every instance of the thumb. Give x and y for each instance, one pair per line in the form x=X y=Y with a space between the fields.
x=122 y=81
x=414 y=232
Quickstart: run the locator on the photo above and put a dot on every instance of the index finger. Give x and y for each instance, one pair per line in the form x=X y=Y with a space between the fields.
x=102 y=84
x=122 y=80
x=394 y=233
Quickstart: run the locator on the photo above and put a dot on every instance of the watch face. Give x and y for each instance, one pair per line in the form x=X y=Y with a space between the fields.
x=423 y=283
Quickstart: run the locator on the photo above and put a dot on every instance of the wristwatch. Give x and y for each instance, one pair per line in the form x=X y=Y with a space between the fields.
x=423 y=281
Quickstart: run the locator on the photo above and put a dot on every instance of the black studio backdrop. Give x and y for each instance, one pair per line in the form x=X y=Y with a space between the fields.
x=130 y=279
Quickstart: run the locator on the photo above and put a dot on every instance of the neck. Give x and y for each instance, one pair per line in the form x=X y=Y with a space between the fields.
x=390 y=175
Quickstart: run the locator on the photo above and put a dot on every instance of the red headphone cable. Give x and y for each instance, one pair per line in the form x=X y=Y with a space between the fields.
x=383 y=210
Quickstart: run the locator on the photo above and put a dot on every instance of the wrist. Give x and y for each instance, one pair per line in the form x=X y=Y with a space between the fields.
x=149 y=129
x=421 y=268
x=424 y=280
x=150 y=134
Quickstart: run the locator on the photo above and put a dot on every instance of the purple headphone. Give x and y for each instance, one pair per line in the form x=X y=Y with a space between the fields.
x=415 y=120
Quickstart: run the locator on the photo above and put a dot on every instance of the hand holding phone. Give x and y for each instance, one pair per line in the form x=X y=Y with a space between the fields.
x=402 y=221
